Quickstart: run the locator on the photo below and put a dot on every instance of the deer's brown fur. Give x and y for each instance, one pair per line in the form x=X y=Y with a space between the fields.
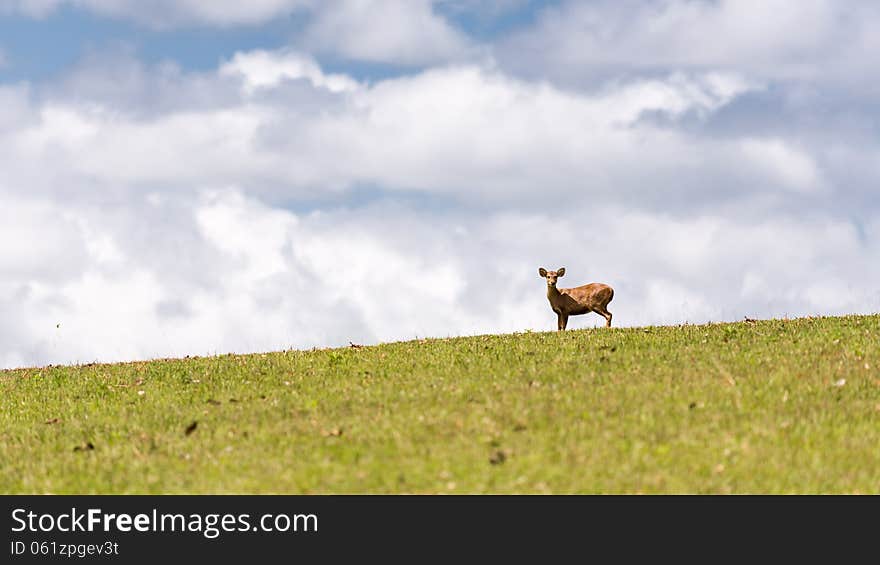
x=593 y=297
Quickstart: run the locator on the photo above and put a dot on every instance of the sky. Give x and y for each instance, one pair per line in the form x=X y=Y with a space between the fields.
x=198 y=177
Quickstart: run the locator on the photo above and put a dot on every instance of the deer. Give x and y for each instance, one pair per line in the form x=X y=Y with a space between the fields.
x=593 y=297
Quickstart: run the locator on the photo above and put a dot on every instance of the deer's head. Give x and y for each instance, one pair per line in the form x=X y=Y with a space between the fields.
x=551 y=276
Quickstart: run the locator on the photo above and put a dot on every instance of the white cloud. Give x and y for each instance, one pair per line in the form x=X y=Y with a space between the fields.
x=34 y=8
x=278 y=124
x=403 y=32
x=15 y=107
x=780 y=39
x=406 y=32
x=264 y=69
x=166 y=13
x=792 y=168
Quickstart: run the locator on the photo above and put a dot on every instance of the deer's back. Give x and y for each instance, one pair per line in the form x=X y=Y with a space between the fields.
x=591 y=295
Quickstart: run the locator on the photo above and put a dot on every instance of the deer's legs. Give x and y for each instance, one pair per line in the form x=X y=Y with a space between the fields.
x=563 y=321
x=605 y=314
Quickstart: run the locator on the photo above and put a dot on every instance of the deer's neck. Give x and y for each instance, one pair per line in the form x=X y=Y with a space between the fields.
x=553 y=293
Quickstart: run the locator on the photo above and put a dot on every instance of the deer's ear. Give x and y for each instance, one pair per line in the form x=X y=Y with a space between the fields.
x=560 y=272
x=542 y=272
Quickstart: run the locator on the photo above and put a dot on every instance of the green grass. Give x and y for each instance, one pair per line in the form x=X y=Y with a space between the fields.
x=771 y=407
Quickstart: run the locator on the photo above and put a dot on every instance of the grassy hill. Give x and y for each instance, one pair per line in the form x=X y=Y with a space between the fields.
x=773 y=406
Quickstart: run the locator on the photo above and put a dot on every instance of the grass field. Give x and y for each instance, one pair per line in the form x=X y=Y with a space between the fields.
x=767 y=407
